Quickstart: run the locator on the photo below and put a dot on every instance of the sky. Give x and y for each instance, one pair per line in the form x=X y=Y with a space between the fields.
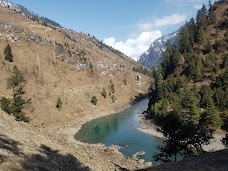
x=127 y=25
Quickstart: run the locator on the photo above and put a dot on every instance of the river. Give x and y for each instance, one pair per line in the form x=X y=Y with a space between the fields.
x=121 y=129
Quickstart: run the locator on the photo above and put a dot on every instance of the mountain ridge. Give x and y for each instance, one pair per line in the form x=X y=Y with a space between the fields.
x=24 y=11
x=152 y=57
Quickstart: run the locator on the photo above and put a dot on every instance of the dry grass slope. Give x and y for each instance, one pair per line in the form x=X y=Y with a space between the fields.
x=72 y=66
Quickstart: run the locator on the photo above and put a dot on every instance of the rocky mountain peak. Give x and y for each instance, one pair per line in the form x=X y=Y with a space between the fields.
x=152 y=56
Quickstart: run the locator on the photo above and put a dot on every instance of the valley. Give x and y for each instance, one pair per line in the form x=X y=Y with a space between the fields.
x=57 y=62
x=71 y=102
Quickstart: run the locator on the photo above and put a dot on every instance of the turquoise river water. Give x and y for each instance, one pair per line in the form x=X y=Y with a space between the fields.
x=121 y=129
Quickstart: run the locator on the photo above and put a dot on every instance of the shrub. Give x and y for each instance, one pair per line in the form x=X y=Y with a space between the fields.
x=103 y=93
x=22 y=117
x=94 y=100
x=59 y=103
x=111 y=86
x=5 y=104
x=125 y=81
x=113 y=98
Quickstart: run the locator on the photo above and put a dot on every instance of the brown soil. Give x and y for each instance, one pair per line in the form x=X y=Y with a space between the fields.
x=53 y=71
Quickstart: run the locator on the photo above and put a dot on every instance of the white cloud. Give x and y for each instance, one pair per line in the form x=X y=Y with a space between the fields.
x=162 y=22
x=197 y=6
x=139 y=43
x=144 y=26
x=134 y=46
x=170 y=20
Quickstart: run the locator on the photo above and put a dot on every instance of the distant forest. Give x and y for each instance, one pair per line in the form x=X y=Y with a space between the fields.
x=189 y=94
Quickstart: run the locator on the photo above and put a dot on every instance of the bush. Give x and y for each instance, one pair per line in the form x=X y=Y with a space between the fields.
x=103 y=93
x=5 y=104
x=11 y=108
x=94 y=100
x=113 y=98
x=21 y=117
x=125 y=81
x=59 y=103
x=111 y=86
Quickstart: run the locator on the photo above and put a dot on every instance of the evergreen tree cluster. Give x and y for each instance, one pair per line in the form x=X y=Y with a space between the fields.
x=190 y=91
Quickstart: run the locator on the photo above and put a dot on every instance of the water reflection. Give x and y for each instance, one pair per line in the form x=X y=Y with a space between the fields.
x=121 y=129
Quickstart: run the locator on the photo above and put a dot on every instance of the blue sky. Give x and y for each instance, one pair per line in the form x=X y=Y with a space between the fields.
x=128 y=25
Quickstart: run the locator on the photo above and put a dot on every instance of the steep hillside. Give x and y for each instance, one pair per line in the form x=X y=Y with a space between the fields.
x=190 y=91
x=152 y=57
x=57 y=62
x=67 y=64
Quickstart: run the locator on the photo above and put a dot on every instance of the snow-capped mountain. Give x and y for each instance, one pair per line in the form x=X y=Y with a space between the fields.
x=152 y=57
x=24 y=11
x=7 y=4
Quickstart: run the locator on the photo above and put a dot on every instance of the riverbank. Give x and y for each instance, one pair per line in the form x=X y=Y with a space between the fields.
x=121 y=129
x=150 y=128
x=68 y=132
x=72 y=129
x=60 y=138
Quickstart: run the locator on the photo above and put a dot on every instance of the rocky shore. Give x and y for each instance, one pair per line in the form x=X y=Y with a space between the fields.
x=150 y=128
x=57 y=142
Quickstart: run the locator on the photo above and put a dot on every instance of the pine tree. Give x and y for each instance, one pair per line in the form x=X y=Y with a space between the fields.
x=206 y=96
x=201 y=17
x=18 y=102
x=208 y=47
x=201 y=36
x=191 y=68
x=167 y=59
x=209 y=6
x=189 y=107
x=180 y=138
x=225 y=79
x=192 y=27
x=225 y=60
x=185 y=44
x=219 y=98
x=8 y=53
x=159 y=86
x=199 y=70
x=16 y=80
x=211 y=117
x=154 y=72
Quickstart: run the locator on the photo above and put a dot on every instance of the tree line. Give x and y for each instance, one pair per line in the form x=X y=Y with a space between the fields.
x=189 y=94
